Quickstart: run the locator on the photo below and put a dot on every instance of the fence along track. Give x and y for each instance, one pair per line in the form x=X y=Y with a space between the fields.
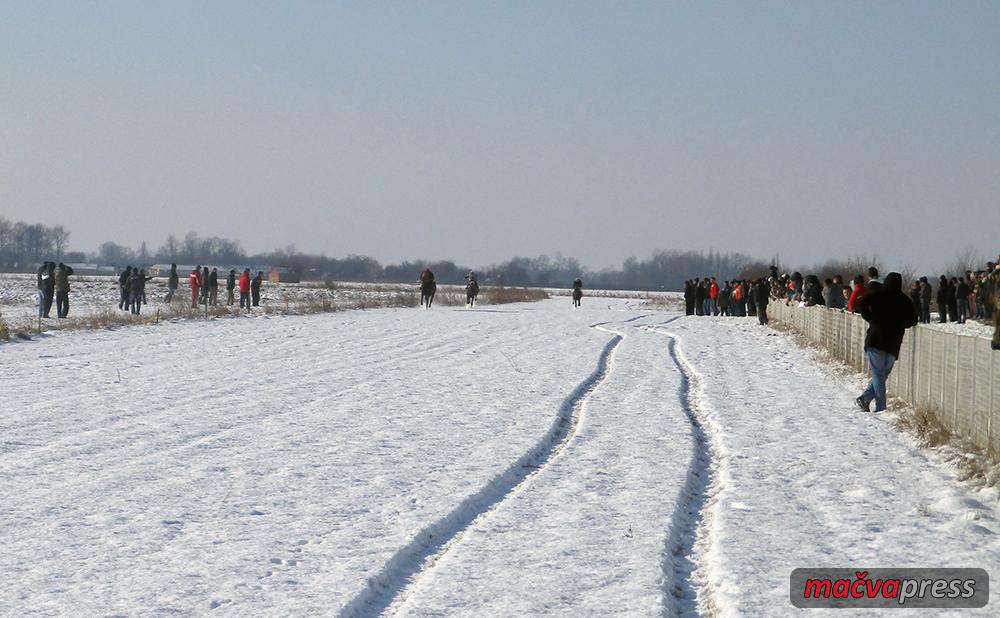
x=955 y=377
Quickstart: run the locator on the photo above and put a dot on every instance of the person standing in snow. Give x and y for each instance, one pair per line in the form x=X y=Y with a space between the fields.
x=962 y=300
x=213 y=287
x=889 y=313
x=926 y=293
x=194 y=282
x=245 y=289
x=761 y=296
x=43 y=276
x=230 y=286
x=942 y=299
x=123 y=288
x=255 y=287
x=49 y=285
x=204 y=286
x=713 y=297
x=173 y=282
x=61 y=283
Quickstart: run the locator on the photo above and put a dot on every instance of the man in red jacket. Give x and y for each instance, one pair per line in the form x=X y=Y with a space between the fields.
x=713 y=296
x=245 y=289
x=194 y=280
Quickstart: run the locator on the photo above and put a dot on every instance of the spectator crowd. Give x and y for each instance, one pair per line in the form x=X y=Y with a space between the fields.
x=956 y=298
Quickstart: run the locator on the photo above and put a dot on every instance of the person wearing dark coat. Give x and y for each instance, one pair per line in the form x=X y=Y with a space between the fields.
x=230 y=286
x=255 y=288
x=213 y=287
x=700 y=294
x=915 y=297
x=203 y=297
x=689 y=297
x=761 y=296
x=889 y=312
x=952 y=300
x=962 y=300
x=61 y=287
x=124 y=283
x=134 y=292
x=926 y=292
x=49 y=285
x=173 y=282
x=942 y=299
x=43 y=278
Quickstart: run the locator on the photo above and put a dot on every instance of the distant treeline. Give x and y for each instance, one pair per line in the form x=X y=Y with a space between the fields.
x=22 y=245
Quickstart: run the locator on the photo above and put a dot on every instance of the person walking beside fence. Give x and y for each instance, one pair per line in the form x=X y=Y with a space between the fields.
x=194 y=282
x=62 y=274
x=761 y=296
x=173 y=282
x=245 y=290
x=889 y=313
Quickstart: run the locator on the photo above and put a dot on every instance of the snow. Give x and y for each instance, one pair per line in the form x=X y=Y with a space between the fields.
x=498 y=461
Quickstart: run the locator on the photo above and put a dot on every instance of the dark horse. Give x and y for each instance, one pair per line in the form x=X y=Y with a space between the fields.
x=427 y=291
x=577 y=292
x=471 y=292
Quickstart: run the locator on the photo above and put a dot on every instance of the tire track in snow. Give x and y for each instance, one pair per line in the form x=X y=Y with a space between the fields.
x=688 y=557
x=388 y=590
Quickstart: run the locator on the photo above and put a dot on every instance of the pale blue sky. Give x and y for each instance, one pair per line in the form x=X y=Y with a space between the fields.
x=479 y=131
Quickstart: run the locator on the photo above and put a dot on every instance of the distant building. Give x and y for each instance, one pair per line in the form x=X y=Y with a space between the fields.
x=280 y=274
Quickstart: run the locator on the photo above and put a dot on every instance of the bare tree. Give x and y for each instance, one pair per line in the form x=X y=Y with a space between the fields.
x=60 y=240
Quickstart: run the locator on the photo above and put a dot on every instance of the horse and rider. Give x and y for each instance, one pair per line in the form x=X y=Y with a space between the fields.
x=577 y=291
x=428 y=287
x=471 y=289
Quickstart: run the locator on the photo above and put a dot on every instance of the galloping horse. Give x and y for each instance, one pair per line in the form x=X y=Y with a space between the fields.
x=471 y=292
x=427 y=291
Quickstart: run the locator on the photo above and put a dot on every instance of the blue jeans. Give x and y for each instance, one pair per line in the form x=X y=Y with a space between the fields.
x=881 y=365
x=963 y=310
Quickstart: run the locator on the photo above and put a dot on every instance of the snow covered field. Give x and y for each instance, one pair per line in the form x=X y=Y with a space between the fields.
x=89 y=295
x=529 y=459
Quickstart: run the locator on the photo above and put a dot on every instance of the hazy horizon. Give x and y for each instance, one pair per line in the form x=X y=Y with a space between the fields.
x=477 y=133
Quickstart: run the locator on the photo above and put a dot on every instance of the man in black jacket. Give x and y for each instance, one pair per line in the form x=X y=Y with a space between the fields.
x=761 y=295
x=926 y=292
x=889 y=313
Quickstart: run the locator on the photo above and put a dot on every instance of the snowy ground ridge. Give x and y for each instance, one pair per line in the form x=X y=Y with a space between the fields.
x=689 y=560
x=388 y=590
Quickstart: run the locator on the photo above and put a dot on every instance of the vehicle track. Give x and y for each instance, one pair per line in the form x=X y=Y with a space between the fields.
x=691 y=537
x=388 y=590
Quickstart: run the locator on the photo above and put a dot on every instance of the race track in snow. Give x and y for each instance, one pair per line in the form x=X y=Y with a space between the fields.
x=511 y=460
